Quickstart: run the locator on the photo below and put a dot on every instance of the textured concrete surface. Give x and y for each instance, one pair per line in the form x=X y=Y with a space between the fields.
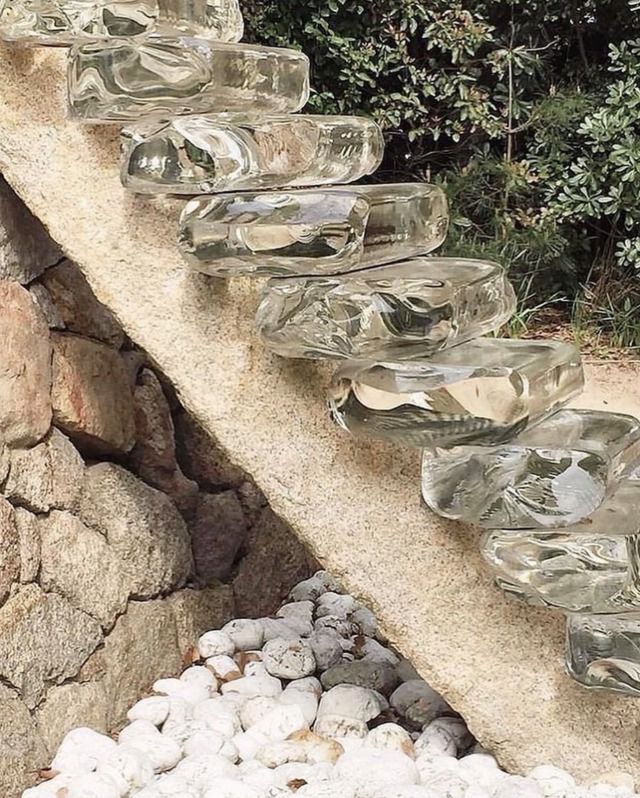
x=357 y=505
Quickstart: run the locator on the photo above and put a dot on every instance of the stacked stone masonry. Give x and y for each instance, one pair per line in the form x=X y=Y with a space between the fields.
x=124 y=532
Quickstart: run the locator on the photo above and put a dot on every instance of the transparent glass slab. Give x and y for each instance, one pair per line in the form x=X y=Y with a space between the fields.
x=481 y=392
x=226 y=152
x=122 y=80
x=593 y=566
x=405 y=310
x=312 y=232
x=603 y=651
x=555 y=474
x=63 y=22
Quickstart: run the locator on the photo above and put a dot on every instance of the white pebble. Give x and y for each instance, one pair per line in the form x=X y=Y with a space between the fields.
x=390 y=737
x=289 y=659
x=223 y=667
x=375 y=768
x=306 y=700
x=255 y=709
x=482 y=769
x=253 y=686
x=340 y=726
x=172 y=785
x=518 y=787
x=214 y=643
x=175 y=688
x=554 y=782
x=92 y=785
x=336 y=604
x=154 y=709
x=245 y=633
x=281 y=721
x=326 y=645
x=200 y=676
x=448 y=736
x=351 y=701
x=299 y=616
x=129 y=768
x=228 y=788
x=162 y=750
x=342 y=626
x=50 y=789
x=309 y=589
x=249 y=743
x=82 y=750
x=198 y=771
x=218 y=716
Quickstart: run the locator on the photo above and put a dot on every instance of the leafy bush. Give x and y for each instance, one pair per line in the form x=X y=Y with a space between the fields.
x=526 y=111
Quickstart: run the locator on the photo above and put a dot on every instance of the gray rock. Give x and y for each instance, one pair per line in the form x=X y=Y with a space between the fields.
x=218 y=533
x=418 y=703
x=25 y=368
x=26 y=249
x=9 y=550
x=48 y=475
x=141 y=525
x=276 y=560
x=327 y=648
x=79 y=564
x=154 y=455
x=78 y=307
x=22 y=747
x=202 y=459
x=142 y=648
x=44 y=641
x=43 y=300
x=91 y=395
x=71 y=705
x=30 y=549
x=378 y=676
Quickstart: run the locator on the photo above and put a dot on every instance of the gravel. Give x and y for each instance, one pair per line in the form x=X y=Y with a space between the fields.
x=312 y=702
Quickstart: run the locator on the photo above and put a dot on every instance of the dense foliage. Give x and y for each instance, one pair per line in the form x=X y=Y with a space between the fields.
x=527 y=111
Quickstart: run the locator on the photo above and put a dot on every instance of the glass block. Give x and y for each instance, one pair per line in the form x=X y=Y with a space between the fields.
x=312 y=232
x=63 y=22
x=603 y=651
x=553 y=475
x=225 y=152
x=479 y=392
x=404 y=310
x=121 y=80
x=588 y=567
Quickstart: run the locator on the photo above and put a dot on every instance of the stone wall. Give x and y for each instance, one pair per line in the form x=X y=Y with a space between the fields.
x=124 y=532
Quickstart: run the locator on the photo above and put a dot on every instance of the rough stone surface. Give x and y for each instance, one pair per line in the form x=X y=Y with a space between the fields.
x=30 y=548
x=276 y=559
x=9 y=550
x=43 y=300
x=79 y=564
x=25 y=368
x=46 y=476
x=154 y=455
x=202 y=459
x=91 y=396
x=218 y=532
x=357 y=504
x=77 y=305
x=22 y=750
x=25 y=247
x=142 y=647
x=44 y=641
x=141 y=525
x=198 y=611
x=68 y=706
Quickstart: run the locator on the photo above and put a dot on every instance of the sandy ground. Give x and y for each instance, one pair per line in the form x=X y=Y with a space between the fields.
x=611 y=386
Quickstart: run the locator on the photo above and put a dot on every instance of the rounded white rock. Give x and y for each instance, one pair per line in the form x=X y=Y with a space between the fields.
x=444 y=735
x=214 y=643
x=200 y=676
x=246 y=633
x=482 y=769
x=305 y=699
x=281 y=721
x=255 y=709
x=518 y=787
x=81 y=750
x=554 y=782
x=218 y=716
x=223 y=667
x=51 y=788
x=391 y=737
x=92 y=785
x=130 y=768
x=375 y=768
x=198 y=771
x=299 y=616
x=278 y=628
x=339 y=726
x=154 y=709
x=229 y=788
x=289 y=659
x=253 y=686
x=351 y=701
x=337 y=604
